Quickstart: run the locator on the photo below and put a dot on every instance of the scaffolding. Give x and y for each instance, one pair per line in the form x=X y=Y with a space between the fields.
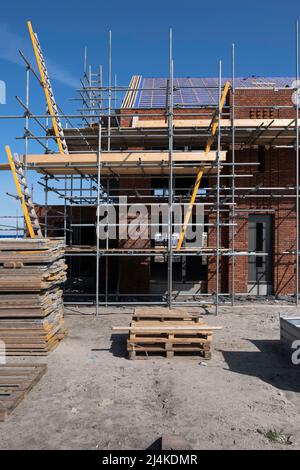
x=94 y=181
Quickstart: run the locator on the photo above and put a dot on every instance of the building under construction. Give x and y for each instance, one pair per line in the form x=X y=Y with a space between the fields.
x=228 y=146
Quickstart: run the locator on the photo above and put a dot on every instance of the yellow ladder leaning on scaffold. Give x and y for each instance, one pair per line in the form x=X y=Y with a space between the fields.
x=30 y=215
x=45 y=81
x=214 y=127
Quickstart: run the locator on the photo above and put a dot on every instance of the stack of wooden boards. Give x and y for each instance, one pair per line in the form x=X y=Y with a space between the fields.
x=31 y=305
x=15 y=382
x=168 y=332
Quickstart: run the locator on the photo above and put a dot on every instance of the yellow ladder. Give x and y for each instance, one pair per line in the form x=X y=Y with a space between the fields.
x=214 y=127
x=51 y=103
x=30 y=215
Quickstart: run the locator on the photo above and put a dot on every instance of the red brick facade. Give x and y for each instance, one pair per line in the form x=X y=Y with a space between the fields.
x=134 y=271
x=278 y=172
x=263 y=104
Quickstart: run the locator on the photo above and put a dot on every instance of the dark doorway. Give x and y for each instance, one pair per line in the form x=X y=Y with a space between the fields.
x=260 y=267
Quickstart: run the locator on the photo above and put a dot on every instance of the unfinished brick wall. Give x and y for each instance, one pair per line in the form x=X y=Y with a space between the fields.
x=257 y=103
x=158 y=114
x=134 y=271
x=212 y=261
x=278 y=172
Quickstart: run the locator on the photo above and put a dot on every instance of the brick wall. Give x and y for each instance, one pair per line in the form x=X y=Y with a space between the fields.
x=258 y=102
x=278 y=172
x=157 y=114
x=212 y=261
x=134 y=271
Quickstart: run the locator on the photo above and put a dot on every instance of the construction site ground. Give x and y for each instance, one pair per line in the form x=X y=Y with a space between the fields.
x=93 y=397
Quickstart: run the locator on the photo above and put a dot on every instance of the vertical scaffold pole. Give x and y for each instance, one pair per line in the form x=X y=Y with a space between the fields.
x=170 y=196
x=98 y=216
x=107 y=245
x=109 y=92
x=297 y=163
x=26 y=125
x=233 y=180
x=101 y=87
x=26 y=116
x=46 y=205
x=90 y=95
x=115 y=93
x=218 y=193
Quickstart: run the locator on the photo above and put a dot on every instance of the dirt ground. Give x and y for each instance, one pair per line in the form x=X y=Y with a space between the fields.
x=93 y=397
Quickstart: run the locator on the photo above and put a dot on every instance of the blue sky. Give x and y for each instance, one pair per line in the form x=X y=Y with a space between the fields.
x=263 y=33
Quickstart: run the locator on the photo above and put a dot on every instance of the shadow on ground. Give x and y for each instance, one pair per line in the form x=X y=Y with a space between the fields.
x=271 y=363
x=119 y=345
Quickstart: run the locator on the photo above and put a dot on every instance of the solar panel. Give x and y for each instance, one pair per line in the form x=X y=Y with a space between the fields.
x=196 y=92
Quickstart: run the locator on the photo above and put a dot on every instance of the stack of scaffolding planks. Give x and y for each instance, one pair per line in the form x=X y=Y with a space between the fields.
x=168 y=332
x=31 y=304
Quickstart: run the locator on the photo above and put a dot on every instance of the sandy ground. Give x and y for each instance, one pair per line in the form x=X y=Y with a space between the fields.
x=92 y=397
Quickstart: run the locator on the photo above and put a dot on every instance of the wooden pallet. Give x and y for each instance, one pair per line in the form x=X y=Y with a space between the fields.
x=139 y=354
x=149 y=337
x=15 y=382
x=164 y=314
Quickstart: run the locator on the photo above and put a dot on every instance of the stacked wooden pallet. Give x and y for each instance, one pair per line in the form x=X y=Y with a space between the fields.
x=15 y=382
x=31 y=304
x=160 y=331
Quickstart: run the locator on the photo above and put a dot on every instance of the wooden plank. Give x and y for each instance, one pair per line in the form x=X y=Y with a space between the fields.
x=187 y=340
x=166 y=328
x=124 y=157
x=204 y=123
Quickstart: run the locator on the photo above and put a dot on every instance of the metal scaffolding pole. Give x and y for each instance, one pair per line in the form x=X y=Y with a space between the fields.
x=26 y=116
x=107 y=246
x=65 y=212
x=115 y=94
x=297 y=163
x=218 y=192
x=109 y=92
x=26 y=127
x=46 y=206
x=170 y=196
x=98 y=218
x=233 y=179
x=101 y=86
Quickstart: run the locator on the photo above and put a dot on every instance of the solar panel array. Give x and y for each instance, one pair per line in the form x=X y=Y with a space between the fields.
x=195 y=92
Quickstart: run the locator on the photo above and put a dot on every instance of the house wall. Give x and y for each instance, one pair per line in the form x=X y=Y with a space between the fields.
x=157 y=114
x=134 y=271
x=257 y=103
x=278 y=172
